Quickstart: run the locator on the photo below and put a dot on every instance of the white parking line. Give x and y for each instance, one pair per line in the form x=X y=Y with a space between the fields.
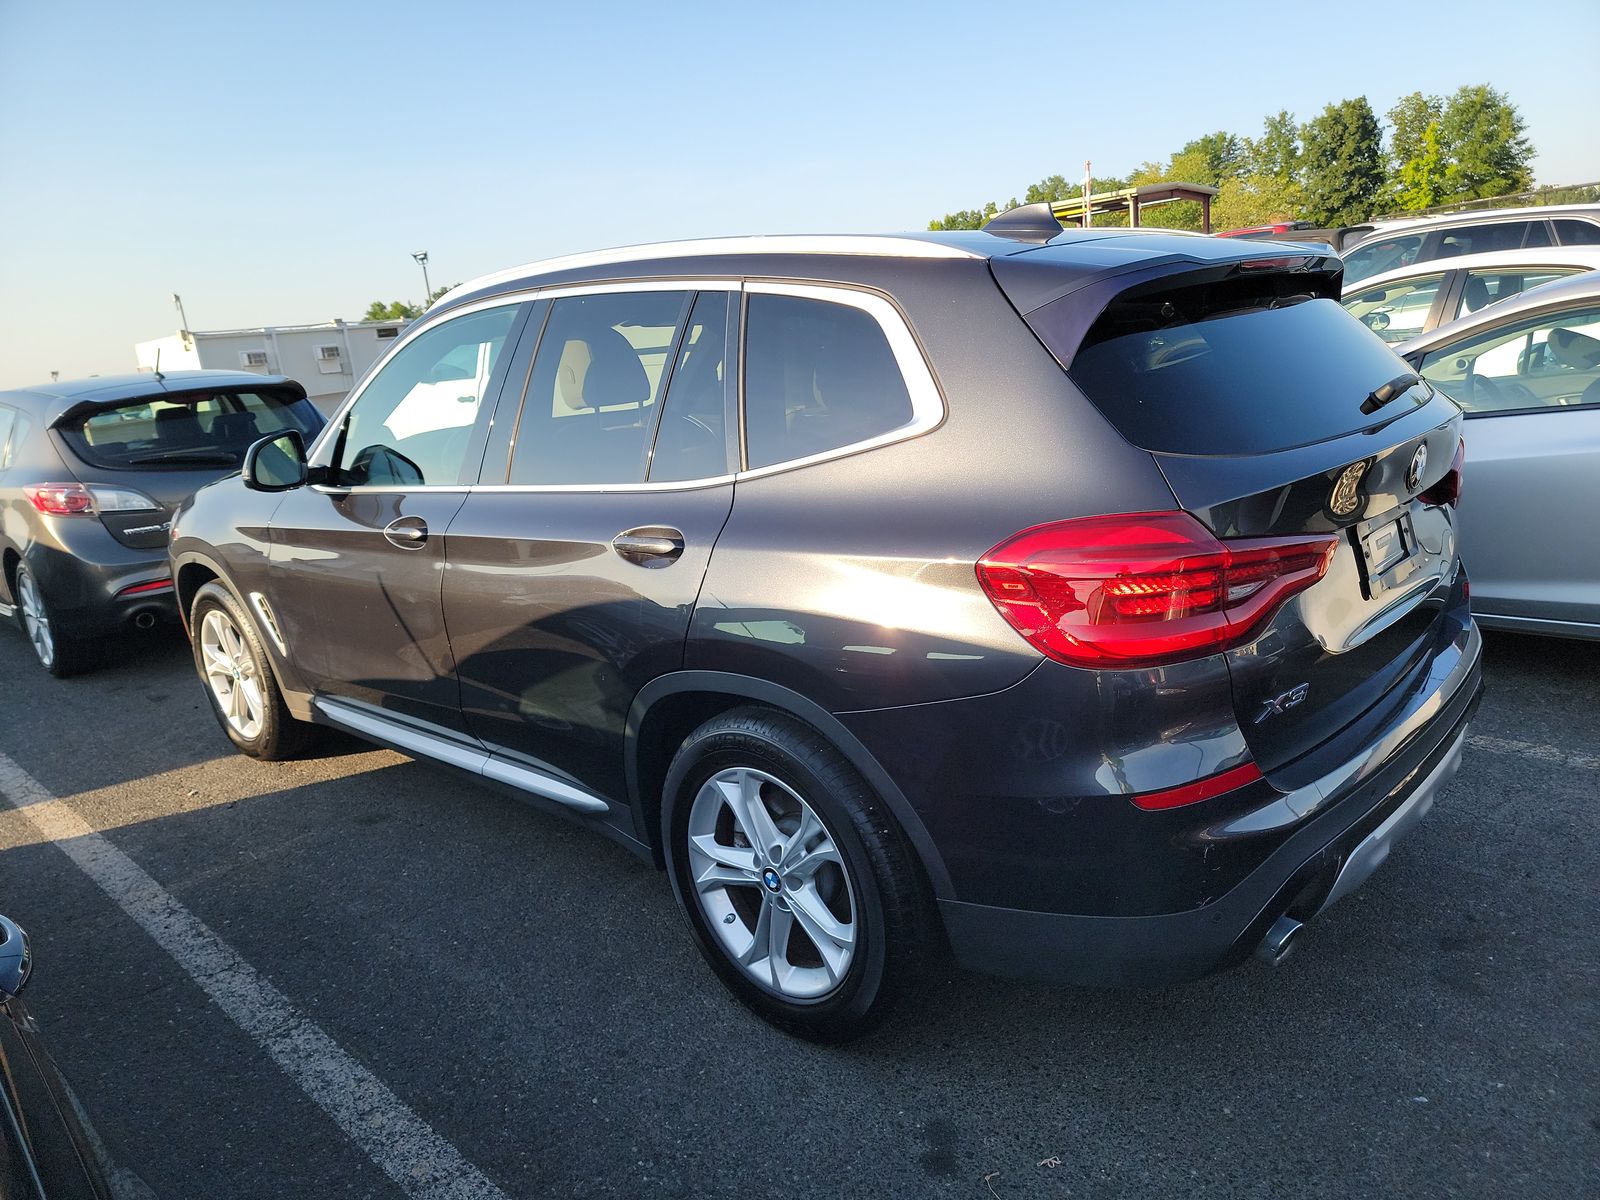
x=1549 y=754
x=400 y=1143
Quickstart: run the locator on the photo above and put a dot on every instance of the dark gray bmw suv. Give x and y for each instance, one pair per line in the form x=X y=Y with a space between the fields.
x=1087 y=601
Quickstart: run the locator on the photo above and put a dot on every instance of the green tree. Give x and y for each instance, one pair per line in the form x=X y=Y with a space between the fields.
x=1256 y=200
x=399 y=310
x=1276 y=154
x=1210 y=160
x=1343 y=154
x=1408 y=123
x=1483 y=139
x=1421 y=180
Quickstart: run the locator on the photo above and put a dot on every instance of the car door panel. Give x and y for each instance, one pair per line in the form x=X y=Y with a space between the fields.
x=1522 y=471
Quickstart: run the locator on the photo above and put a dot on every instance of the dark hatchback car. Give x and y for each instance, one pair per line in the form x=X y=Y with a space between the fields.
x=1088 y=600
x=90 y=473
x=47 y=1152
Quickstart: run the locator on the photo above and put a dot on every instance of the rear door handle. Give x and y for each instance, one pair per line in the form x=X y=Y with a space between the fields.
x=649 y=546
x=409 y=533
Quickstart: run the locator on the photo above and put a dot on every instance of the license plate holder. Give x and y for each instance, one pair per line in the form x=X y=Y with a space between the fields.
x=1387 y=545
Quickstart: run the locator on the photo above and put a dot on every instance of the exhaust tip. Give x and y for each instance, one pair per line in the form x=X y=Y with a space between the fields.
x=1280 y=941
x=145 y=620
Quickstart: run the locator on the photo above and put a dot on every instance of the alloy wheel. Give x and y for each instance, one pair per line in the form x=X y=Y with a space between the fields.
x=771 y=883
x=35 y=618
x=231 y=674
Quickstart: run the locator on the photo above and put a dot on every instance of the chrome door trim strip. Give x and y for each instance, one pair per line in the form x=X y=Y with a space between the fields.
x=421 y=744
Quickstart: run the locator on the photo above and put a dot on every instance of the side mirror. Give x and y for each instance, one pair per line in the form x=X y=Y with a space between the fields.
x=276 y=463
x=15 y=961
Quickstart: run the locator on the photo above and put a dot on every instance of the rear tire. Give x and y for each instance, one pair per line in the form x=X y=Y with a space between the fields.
x=817 y=918
x=238 y=679
x=59 y=651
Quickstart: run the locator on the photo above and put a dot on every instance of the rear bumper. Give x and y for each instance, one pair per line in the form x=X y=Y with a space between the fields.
x=1347 y=822
x=83 y=583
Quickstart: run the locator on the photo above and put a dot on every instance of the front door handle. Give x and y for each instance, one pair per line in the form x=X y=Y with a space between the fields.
x=409 y=533
x=649 y=546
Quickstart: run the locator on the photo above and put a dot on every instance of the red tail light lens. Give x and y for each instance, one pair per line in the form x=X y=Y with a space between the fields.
x=1144 y=589
x=145 y=589
x=1448 y=489
x=1201 y=789
x=59 y=499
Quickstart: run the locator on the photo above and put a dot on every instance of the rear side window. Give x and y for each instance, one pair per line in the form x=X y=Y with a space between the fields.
x=1250 y=380
x=1386 y=254
x=1577 y=233
x=1496 y=235
x=818 y=376
x=1484 y=288
x=692 y=440
x=195 y=429
x=589 y=413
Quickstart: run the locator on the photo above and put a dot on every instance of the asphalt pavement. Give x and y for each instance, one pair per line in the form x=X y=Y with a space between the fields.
x=528 y=992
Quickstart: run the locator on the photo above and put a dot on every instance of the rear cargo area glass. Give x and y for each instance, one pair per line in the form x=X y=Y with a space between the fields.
x=198 y=429
x=1250 y=381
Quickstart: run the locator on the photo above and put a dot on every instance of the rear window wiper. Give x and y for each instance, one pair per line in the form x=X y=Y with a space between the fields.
x=1379 y=396
x=206 y=457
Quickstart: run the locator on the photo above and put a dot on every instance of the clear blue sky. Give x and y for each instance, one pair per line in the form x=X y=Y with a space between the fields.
x=277 y=162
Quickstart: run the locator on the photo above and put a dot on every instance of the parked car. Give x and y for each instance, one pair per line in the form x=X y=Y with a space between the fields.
x=879 y=613
x=1399 y=305
x=46 y=1150
x=1527 y=373
x=1394 y=244
x=90 y=473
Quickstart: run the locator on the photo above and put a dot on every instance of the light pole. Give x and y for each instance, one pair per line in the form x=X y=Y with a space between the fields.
x=427 y=291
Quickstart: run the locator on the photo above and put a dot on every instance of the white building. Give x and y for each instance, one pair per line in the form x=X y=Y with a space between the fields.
x=325 y=359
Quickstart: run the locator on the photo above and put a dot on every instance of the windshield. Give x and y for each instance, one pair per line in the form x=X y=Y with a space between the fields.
x=1251 y=381
x=197 y=429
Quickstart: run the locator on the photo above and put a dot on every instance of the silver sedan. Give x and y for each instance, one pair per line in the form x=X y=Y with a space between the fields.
x=1527 y=373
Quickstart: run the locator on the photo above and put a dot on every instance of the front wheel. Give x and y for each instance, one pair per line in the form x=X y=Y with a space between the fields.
x=239 y=681
x=800 y=889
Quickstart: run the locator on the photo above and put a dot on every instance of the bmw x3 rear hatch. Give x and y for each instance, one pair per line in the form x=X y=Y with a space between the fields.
x=1287 y=429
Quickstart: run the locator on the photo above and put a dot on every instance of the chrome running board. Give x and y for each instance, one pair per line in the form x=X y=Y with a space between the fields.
x=364 y=722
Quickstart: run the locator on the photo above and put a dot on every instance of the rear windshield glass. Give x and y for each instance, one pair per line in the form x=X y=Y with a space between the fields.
x=198 y=429
x=1250 y=381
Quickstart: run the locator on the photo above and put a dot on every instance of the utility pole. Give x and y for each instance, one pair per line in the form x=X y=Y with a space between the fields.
x=1087 y=179
x=427 y=290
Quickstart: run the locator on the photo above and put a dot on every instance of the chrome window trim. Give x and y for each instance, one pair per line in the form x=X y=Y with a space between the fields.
x=927 y=401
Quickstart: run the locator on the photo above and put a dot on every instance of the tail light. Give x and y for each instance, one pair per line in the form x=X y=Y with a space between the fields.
x=146 y=589
x=74 y=499
x=1144 y=589
x=1201 y=789
x=59 y=499
x=1448 y=490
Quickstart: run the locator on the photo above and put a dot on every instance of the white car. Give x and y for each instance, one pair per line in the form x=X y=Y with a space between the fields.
x=1409 y=301
x=1412 y=242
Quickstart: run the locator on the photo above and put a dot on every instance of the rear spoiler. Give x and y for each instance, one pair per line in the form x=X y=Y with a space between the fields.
x=84 y=408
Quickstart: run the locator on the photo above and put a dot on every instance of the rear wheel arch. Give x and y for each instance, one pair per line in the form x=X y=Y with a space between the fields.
x=668 y=709
x=9 y=561
x=191 y=576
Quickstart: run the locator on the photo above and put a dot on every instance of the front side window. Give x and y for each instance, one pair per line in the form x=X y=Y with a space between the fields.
x=1552 y=361
x=411 y=425
x=818 y=375
x=589 y=413
x=1395 y=311
x=1485 y=287
x=194 y=429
